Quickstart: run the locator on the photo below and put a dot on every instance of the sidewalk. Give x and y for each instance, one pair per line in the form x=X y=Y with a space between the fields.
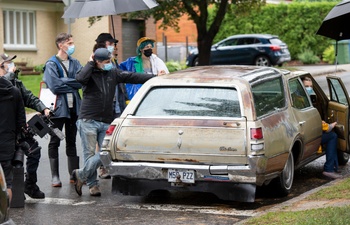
x=324 y=69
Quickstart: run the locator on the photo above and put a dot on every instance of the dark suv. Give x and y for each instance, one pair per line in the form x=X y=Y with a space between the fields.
x=246 y=49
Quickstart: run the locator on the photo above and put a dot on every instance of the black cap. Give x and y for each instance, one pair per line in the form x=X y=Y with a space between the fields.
x=103 y=37
x=102 y=54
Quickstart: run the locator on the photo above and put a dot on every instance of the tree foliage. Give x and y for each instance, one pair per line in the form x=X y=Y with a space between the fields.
x=208 y=24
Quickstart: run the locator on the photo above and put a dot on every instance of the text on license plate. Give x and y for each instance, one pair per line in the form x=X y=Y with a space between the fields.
x=186 y=176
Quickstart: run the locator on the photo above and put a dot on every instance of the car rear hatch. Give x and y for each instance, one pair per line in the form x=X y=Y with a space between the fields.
x=185 y=124
x=284 y=48
x=210 y=141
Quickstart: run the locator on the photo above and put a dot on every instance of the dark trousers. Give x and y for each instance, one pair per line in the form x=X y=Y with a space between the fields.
x=70 y=136
x=32 y=157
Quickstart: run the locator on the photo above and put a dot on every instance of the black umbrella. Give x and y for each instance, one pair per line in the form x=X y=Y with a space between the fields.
x=336 y=24
x=87 y=8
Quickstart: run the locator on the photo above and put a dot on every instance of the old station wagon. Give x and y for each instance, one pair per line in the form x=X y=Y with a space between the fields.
x=222 y=129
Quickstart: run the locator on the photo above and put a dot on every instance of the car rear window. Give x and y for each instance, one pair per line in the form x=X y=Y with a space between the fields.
x=190 y=101
x=275 y=41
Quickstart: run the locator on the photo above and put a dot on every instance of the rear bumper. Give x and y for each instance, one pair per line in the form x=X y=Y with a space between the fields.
x=139 y=178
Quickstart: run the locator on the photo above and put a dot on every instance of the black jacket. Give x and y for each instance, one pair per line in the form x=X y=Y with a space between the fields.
x=99 y=89
x=12 y=118
x=29 y=99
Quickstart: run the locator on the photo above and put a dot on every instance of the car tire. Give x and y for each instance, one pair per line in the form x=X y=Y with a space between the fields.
x=262 y=60
x=343 y=158
x=285 y=181
x=195 y=61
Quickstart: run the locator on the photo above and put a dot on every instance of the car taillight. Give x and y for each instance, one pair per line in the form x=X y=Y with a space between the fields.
x=256 y=133
x=275 y=48
x=110 y=130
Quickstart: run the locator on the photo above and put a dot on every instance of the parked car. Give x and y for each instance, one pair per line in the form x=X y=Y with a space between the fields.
x=222 y=129
x=246 y=49
x=4 y=201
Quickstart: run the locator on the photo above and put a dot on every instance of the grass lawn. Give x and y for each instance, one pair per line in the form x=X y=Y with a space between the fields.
x=32 y=83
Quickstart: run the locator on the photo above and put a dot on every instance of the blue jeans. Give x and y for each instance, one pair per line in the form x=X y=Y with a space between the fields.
x=91 y=133
x=330 y=139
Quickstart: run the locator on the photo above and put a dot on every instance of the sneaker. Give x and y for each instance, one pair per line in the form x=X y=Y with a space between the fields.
x=103 y=173
x=95 y=191
x=33 y=191
x=332 y=175
x=78 y=183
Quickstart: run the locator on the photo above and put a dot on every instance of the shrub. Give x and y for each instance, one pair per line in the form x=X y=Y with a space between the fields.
x=329 y=55
x=308 y=57
x=173 y=66
x=39 y=68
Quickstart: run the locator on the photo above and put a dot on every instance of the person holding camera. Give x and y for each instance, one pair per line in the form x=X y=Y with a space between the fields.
x=99 y=79
x=59 y=75
x=12 y=120
x=9 y=71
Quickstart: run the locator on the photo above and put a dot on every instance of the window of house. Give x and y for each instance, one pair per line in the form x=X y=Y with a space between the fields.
x=19 y=30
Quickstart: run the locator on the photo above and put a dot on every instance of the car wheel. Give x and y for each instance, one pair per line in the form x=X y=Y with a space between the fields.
x=280 y=65
x=262 y=60
x=285 y=181
x=343 y=158
x=195 y=62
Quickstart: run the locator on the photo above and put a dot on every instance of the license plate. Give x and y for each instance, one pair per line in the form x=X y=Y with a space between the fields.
x=186 y=176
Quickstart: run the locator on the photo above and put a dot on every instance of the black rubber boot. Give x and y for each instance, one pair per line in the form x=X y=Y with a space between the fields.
x=73 y=163
x=55 y=182
x=30 y=187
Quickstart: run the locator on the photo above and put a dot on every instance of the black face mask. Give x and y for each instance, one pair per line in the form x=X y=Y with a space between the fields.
x=148 y=52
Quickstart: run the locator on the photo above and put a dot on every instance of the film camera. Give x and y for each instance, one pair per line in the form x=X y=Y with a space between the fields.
x=38 y=125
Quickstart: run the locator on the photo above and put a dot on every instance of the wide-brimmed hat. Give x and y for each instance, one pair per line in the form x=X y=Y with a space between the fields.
x=6 y=58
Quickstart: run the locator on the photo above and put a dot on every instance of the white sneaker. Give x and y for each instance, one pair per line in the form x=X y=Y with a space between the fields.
x=103 y=173
x=332 y=175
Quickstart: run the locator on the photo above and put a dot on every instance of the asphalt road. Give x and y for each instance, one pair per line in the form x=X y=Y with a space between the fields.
x=64 y=206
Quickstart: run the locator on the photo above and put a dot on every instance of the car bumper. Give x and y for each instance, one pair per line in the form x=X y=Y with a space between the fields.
x=214 y=179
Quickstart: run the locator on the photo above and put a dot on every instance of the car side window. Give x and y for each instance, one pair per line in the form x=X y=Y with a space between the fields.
x=337 y=92
x=230 y=42
x=268 y=96
x=298 y=94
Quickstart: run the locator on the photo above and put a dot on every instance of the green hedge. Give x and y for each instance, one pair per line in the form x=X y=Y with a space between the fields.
x=296 y=24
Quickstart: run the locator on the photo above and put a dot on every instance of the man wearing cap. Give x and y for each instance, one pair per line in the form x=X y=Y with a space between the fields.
x=59 y=76
x=99 y=79
x=105 y=40
x=9 y=71
x=144 y=62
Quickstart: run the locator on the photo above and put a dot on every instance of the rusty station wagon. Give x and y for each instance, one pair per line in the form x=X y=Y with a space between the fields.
x=222 y=129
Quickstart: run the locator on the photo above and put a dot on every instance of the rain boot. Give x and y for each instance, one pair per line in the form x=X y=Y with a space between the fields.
x=55 y=182
x=30 y=187
x=73 y=163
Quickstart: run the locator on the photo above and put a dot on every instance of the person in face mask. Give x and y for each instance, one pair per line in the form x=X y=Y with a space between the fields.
x=9 y=71
x=144 y=62
x=329 y=138
x=99 y=79
x=59 y=75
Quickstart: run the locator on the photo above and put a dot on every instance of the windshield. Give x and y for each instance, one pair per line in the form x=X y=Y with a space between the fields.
x=190 y=101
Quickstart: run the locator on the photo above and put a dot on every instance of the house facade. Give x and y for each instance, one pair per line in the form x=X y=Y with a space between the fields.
x=29 y=27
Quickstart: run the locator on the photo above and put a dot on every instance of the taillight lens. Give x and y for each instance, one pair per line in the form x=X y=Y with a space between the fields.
x=256 y=133
x=275 y=48
x=110 y=130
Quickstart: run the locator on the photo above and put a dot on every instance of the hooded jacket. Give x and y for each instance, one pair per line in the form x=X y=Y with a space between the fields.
x=60 y=85
x=99 y=89
x=12 y=118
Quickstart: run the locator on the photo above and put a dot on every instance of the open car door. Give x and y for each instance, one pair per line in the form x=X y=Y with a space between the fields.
x=338 y=111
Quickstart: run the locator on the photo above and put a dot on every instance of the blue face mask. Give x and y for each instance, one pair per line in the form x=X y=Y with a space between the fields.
x=70 y=50
x=110 y=48
x=107 y=66
x=310 y=91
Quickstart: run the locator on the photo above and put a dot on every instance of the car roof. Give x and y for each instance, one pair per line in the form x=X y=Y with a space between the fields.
x=223 y=74
x=267 y=36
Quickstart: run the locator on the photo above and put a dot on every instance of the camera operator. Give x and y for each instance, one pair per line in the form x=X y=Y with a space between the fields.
x=11 y=121
x=8 y=70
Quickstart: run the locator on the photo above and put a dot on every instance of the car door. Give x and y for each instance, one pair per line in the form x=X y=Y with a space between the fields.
x=308 y=119
x=225 y=52
x=338 y=111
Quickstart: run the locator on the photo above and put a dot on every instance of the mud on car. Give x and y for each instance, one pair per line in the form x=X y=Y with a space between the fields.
x=223 y=130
